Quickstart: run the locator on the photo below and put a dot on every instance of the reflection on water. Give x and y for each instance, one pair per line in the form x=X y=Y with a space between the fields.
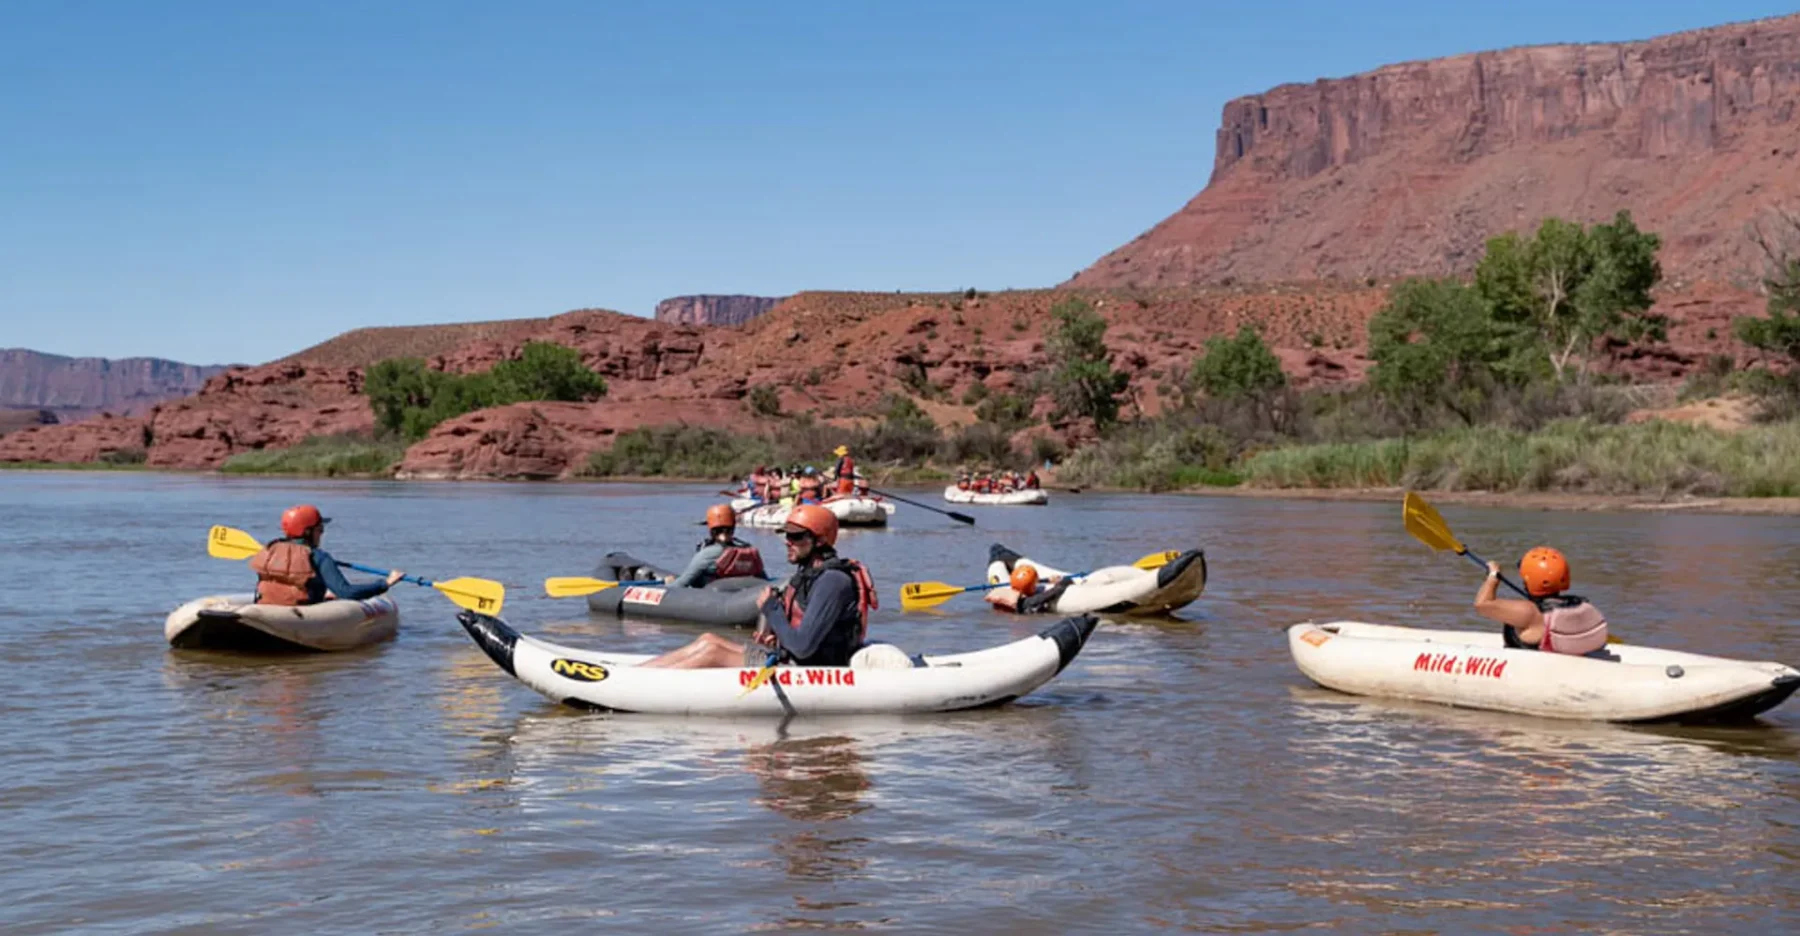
x=1180 y=775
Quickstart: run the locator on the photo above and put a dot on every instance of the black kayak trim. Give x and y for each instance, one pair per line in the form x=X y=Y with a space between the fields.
x=493 y=636
x=1070 y=635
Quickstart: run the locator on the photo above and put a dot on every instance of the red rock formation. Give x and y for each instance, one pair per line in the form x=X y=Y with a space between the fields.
x=11 y=419
x=713 y=310
x=75 y=388
x=245 y=409
x=540 y=441
x=1408 y=169
x=90 y=440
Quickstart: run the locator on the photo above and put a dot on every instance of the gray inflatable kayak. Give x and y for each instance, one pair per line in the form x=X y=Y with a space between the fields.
x=236 y=622
x=725 y=603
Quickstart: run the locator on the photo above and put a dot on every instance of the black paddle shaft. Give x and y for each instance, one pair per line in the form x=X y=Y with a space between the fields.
x=959 y=518
x=1503 y=579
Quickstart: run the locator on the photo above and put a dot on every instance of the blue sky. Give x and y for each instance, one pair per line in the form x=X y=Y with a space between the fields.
x=232 y=181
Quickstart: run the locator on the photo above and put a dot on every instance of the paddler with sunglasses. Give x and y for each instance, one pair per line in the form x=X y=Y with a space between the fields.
x=820 y=618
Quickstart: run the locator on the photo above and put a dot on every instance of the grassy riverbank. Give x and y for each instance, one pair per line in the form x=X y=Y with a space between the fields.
x=1577 y=456
x=335 y=456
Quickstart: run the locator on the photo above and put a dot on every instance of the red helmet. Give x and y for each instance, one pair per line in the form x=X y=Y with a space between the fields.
x=297 y=520
x=720 y=516
x=811 y=518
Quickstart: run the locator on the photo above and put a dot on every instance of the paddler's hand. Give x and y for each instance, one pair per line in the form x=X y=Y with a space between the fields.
x=1493 y=569
x=394 y=577
x=766 y=638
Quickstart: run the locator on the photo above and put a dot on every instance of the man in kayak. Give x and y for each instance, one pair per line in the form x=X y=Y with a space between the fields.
x=1021 y=592
x=293 y=570
x=820 y=618
x=723 y=555
x=1552 y=620
x=845 y=472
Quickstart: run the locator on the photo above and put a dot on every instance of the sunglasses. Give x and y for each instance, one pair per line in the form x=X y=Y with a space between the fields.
x=795 y=536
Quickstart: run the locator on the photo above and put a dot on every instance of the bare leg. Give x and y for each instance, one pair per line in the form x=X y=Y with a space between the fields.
x=708 y=652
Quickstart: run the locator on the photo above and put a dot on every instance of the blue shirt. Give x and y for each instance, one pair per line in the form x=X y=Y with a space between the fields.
x=328 y=577
x=830 y=605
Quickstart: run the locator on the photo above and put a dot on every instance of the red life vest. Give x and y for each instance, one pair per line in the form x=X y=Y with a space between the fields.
x=846 y=475
x=739 y=560
x=792 y=597
x=283 y=570
x=1031 y=481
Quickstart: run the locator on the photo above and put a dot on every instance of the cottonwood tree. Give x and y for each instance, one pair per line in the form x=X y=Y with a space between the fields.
x=1082 y=379
x=1778 y=239
x=1575 y=286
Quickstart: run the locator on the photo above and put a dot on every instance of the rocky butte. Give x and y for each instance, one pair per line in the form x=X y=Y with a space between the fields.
x=713 y=310
x=74 y=388
x=1409 y=168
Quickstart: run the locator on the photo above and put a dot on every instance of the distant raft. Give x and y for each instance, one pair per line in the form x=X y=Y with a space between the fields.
x=724 y=603
x=1026 y=497
x=1474 y=669
x=850 y=511
x=236 y=622
x=1123 y=589
x=880 y=679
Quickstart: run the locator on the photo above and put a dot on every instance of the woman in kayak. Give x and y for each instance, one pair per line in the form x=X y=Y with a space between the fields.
x=722 y=556
x=293 y=570
x=1552 y=620
x=820 y=618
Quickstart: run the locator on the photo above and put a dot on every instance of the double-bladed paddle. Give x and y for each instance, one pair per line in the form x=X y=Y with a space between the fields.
x=479 y=595
x=1428 y=527
x=917 y=596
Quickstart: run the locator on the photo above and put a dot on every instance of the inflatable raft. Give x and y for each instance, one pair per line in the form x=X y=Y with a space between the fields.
x=880 y=679
x=850 y=511
x=236 y=622
x=1029 y=496
x=725 y=603
x=1110 y=590
x=1476 y=670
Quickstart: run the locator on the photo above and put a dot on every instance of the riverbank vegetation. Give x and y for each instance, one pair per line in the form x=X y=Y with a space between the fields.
x=333 y=456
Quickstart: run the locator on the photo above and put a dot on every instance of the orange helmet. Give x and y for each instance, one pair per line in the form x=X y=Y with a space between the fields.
x=295 y=521
x=811 y=518
x=720 y=515
x=1545 y=572
x=1024 y=579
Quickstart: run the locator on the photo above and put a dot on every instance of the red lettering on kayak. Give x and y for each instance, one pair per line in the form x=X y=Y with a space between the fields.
x=805 y=677
x=1459 y=666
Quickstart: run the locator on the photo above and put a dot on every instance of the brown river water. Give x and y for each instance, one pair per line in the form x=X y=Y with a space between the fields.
x=1179 y=775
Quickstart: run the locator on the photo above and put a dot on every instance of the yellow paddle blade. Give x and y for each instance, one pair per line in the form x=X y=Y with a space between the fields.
x=223 y=542
x=762 y=676
x=574 y=586
x=482 y=596
x=915 y=596
x=1158 y=560
x=1427 y=526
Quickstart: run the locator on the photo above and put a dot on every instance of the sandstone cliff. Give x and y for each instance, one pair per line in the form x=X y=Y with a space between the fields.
x=713 y=310
x=77 y=387
x=1408 y=169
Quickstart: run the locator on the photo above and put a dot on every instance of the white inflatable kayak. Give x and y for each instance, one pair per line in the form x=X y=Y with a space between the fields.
x=236 y=622
x=1109 y=590
x=850 y=511
x=615 y=682
x=1031 y=496
x=1476 y=670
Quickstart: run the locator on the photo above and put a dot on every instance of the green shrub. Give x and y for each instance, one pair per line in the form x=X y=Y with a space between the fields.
x=681 y=452
x=409 y=399
x=1240 y=366
x=321 y=456
x=765 y=400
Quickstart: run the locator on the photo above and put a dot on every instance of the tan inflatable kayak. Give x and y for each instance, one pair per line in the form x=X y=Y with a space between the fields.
x=236 y=622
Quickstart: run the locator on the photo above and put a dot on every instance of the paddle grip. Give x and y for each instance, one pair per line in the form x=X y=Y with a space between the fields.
x=1503 y=579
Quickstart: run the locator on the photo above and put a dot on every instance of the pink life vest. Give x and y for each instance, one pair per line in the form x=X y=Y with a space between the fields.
x=1575 y=629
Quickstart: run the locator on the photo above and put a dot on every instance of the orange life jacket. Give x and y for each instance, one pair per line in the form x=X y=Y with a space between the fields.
x=793 y=597
x=739 y=560
x=811 y=487
x=283 y=570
